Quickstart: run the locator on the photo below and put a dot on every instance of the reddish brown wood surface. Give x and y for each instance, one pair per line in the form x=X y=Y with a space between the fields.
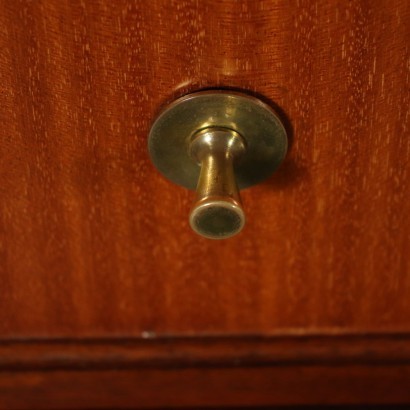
x=211 y=389
x=95 y=243
x=197 y=372
x=173 y=353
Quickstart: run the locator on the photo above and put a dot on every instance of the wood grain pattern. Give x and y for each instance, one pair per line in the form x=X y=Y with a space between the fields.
x=207 y=371
x=94 y=243
x=196 y=372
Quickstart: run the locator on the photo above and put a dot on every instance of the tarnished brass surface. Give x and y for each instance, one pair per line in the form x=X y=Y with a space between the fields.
x=217 y=141
x=254 y=120
x=217 y=212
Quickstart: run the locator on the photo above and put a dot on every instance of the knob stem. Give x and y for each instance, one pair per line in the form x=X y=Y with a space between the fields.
x=217 y=212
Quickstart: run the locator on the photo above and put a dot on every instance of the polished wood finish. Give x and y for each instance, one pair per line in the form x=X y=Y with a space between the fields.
x=205 y=352
x=207 y=371
x=94 y=243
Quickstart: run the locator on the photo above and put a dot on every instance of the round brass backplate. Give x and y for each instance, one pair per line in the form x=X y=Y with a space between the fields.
x=255 y=121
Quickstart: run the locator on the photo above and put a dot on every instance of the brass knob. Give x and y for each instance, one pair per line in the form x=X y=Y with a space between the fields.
x=217 y=142
x=217 y=212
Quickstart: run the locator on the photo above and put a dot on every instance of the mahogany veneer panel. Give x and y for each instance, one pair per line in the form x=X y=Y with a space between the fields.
x=95 y=242
x=97 y=262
